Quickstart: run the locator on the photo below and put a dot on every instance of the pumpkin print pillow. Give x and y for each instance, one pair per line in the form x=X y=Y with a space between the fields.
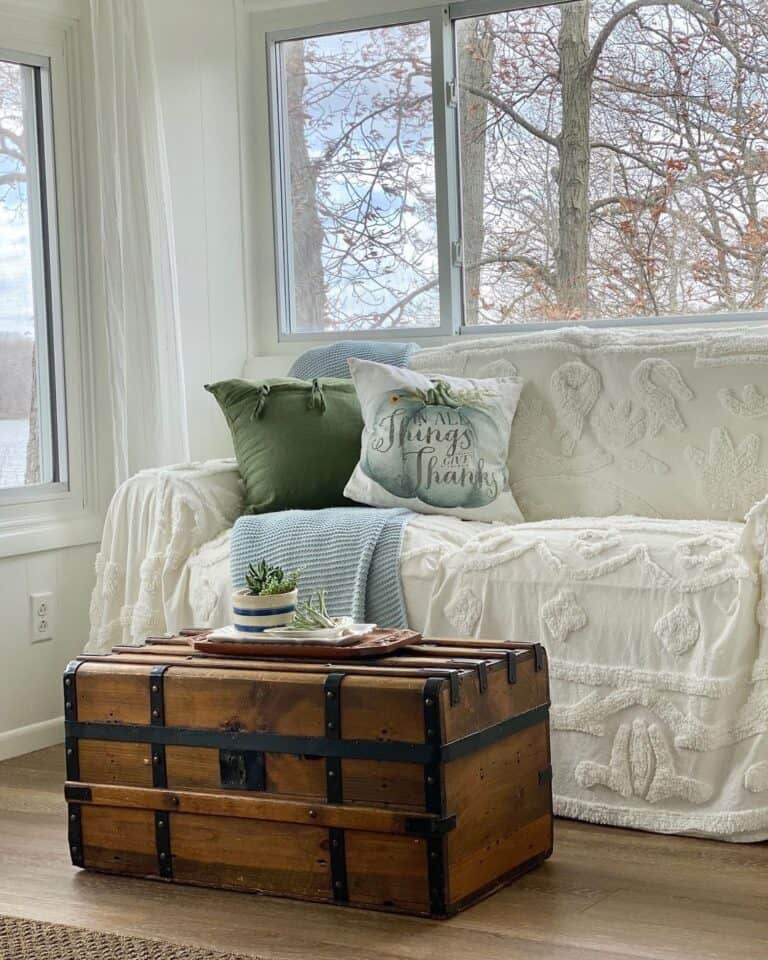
x=434 y=445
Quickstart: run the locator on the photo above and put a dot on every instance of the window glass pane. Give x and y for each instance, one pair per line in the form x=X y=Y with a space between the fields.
x=360 y=192
x=24 y=421
x=614 y=160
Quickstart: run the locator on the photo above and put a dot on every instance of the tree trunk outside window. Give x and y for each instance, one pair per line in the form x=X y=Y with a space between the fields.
x=573 y=172
x=32 y=471
x=308 y=276
x=475 y=57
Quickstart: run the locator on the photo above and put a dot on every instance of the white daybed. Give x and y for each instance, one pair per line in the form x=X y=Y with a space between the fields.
x=635 y=457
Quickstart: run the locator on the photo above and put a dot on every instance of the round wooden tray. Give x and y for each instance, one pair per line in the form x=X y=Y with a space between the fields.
x=377 y=643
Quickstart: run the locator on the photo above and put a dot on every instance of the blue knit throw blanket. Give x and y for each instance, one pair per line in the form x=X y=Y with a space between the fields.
x=353 y=553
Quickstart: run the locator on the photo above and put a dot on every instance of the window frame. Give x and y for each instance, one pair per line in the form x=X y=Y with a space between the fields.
x=49 y=341
x=69 y=511
x=447 y=183
x=445 y=146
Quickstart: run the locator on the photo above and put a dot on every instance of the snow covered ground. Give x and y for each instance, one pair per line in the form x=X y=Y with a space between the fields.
x=13 y=452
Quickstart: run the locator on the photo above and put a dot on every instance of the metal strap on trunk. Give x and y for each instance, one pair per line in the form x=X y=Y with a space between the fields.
x=333 y=770
x=335 y=786
x=163 y=844
x=351 y=749
x=157 y=694
x=338 y=859
x=436 y=859
x=75 y=834
x=433 y=735
x=434 y=796
x=157 y=719
x=511 y=666
x=70 y=715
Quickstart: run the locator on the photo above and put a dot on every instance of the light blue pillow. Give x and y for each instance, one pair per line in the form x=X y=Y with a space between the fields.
x=331 y=360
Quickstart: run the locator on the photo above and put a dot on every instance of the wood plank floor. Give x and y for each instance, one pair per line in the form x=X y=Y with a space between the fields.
x=606 y=894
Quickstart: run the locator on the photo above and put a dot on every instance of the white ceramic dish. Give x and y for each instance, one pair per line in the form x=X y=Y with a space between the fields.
x=344 y=633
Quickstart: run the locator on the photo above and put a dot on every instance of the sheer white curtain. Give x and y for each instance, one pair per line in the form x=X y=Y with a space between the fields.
x=142 y=317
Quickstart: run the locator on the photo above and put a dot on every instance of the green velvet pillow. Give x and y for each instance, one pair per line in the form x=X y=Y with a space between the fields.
x=296 y=441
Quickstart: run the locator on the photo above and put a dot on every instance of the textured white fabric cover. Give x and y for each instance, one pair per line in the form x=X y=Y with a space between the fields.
x=650 y=423
x=157 y=519
x=657 y=634
x=659 y=670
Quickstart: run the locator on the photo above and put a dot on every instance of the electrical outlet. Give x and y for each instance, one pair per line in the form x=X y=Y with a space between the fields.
x=42 y=613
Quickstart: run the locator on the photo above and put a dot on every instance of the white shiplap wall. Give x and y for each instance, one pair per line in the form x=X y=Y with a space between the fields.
x=194 y=43
x=31 y=707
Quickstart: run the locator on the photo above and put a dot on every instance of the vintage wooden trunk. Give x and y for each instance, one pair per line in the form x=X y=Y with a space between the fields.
x=418 y=783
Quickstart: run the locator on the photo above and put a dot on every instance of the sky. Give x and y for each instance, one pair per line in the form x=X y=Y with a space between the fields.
x=16 y=310
x=15 y=284
x=344 y=84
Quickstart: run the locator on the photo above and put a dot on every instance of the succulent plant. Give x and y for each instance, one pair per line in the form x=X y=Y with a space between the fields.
x=312 y=614
x=264 y=580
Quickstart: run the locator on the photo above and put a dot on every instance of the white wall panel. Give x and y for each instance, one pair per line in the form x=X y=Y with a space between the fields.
x=197 y=71
x=31 y=710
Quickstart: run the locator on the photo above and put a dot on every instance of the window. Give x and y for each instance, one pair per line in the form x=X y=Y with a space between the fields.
x=577 y=161
x=31 y=431
x=614 y=162
x=359 y=177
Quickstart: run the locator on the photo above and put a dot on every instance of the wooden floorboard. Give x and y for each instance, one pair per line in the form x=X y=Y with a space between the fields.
x=607 y=894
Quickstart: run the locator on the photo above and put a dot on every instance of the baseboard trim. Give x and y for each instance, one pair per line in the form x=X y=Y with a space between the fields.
x=35 y=736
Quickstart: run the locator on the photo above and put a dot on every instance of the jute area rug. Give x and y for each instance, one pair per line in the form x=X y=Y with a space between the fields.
x=32 y=940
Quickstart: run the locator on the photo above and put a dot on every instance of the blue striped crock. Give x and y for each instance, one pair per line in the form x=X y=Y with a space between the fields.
x=256 y=614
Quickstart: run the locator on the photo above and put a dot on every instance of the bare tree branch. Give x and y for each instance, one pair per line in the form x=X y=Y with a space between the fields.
x=631 y=8
x=15 y=176
x=519 y=119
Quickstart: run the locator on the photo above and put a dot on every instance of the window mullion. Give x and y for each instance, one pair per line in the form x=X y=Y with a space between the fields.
x=446 y=169
x=40 y=308
x=281 y=195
